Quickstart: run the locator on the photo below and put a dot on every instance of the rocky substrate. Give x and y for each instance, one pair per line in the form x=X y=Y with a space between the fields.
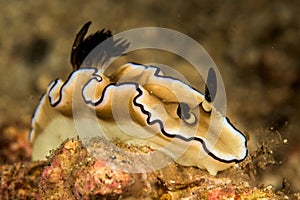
x=72 y=173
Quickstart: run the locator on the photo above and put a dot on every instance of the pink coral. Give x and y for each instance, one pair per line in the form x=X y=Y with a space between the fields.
x=100 y=180
x=72 y=173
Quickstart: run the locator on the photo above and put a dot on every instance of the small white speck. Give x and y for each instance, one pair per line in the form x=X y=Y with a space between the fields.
x=269 y=187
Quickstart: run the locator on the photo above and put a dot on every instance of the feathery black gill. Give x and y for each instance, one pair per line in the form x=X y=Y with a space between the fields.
x=82 y=47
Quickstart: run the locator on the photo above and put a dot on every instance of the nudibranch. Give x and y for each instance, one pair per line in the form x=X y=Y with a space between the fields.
x=169 y=114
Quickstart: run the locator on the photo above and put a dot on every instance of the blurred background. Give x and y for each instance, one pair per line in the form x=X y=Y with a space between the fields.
x=255 y=45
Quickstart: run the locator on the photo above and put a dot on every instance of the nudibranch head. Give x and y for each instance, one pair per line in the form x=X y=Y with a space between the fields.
x=139 y=104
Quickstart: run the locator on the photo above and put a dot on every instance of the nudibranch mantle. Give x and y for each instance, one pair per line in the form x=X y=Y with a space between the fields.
x=138 y=104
